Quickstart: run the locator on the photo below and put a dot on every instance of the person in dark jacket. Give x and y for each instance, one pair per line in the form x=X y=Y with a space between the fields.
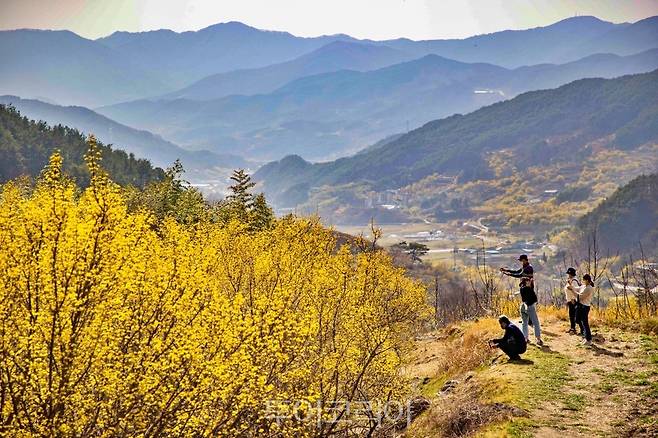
x=513 y=342
x=528 y=296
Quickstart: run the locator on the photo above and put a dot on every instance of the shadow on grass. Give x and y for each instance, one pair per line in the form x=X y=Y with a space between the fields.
x=604 y=351
x=521 y=362
x=546 y=349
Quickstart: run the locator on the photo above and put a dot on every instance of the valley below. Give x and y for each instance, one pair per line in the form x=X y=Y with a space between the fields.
x=458 y=243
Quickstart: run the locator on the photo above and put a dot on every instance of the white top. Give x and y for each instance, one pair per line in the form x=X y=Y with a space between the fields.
x=571 y=289
x=586 y=293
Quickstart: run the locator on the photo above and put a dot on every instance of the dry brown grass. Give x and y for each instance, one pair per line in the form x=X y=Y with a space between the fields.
x=553 y=313
x=469 y=350
x=461 y=413
x=463 y=347
x=649 y=326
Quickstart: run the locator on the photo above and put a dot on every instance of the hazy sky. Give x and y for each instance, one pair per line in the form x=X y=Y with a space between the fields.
x=376 y=19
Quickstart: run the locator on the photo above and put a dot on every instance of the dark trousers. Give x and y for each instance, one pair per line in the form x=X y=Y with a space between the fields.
x=572 y=305
x=583 y=320
x=511 y=348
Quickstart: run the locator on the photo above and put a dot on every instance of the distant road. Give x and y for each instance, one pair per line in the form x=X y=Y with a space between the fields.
x=478 y=225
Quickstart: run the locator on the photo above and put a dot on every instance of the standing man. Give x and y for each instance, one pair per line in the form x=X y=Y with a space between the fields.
x=528 y=296
x=571 y=294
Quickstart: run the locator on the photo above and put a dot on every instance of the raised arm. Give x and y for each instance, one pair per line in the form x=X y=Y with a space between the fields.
x=512 y=272
x=521 y=273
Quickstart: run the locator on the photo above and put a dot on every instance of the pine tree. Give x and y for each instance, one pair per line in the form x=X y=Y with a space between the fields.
x=171 y=197
x=240 y=190
x=262 y=216
x=415 y=250
x=240 y=200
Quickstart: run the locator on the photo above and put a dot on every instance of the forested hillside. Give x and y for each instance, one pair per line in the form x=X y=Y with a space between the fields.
x=628 y=218
x=520 y=143
x=25 y=147
x=141 y=143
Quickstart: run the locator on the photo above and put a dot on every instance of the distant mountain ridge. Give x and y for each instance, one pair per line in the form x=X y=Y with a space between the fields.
x=564 y=41
x=68 y=69
x=62 y=67
x=190 y=56
x=339 y=55
x=323 y=115
x=333 y=114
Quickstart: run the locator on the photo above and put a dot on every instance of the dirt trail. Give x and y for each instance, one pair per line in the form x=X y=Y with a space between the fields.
x=563 y=389
x=574 y=390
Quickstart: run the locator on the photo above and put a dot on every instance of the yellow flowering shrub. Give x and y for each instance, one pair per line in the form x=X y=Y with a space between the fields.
x=115 y=324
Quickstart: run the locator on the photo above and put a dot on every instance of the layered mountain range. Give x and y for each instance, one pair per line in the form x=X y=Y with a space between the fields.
x=229 y=93
x=334 y=114
x=64 y=68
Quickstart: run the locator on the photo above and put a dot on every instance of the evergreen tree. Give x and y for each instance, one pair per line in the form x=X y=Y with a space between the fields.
x=171 y=197
x=240 y=200
x=262 y=216
x=244 y=206
x=240 y=190
x=415 y=250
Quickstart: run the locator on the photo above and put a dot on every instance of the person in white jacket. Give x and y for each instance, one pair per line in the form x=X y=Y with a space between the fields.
x=571 y=290
x=585 y=295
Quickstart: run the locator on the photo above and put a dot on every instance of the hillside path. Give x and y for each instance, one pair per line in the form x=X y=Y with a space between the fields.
x=569 y=389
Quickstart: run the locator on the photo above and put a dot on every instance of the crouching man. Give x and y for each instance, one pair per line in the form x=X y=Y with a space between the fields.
x=513 y=343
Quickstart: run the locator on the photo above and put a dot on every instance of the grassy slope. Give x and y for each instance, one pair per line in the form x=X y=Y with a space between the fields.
x=561 y=389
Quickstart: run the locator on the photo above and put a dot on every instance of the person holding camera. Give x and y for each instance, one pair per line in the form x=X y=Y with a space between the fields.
x=528 y=297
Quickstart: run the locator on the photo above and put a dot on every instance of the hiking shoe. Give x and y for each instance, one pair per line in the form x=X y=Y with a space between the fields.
x=571 y=331
x=540 y=342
